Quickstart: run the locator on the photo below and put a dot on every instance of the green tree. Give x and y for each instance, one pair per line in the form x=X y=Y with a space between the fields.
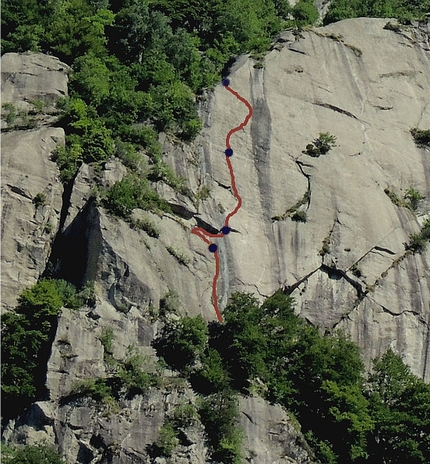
x=76 y=28
x=91 y=78
x=347 y=420
x=132 y=374
x=400 y=406
x=167 y=440
x=213 y=376
x=305 y=12
x=130 y=193
x=219 y=413
x=182 y=343
x=245 y=342
x=23 y=25
x=400 y=9
x=175 y=110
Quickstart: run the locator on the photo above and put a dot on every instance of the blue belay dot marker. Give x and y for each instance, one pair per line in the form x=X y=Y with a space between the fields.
x=226 y=230
x=213 y=247
x=225 y=82
x=229 y=152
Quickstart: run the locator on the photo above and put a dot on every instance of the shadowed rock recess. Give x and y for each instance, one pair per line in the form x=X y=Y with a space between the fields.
x=345 y=261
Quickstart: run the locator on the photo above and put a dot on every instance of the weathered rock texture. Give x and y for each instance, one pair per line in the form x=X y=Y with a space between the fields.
x=32 y=76
x=367 y=86
x=270 y=436
x=28 y=228
x=347 y=266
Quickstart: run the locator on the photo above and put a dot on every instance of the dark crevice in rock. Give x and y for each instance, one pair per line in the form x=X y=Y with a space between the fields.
x=385 y=250
x=393 y=313
x=224 y=186
x=288 y=289
x=383 y=108
x=205 y=225
x=181 y=211
x=325 y=249
x=18 y=191
x=70 y=250
x=335 y=108
x=308 y=193
x=85 y=454
x=297 y=51
x=338 y=274
x=248 y=417
x=56 y=249
x=426 y=352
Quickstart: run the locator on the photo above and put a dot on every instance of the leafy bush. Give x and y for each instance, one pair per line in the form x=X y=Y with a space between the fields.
x=169 y=303
x=107 y=338
x=161 y=171
x=97 y=389
x=132 y=374
x=421 y=137
x=131 y=193
x=10 y=113
x=128 y=154
x=410 y=200
x=213 y=376
x=147 y=225
x=299 y=216
x=184 y=415
x=395 y=27
x=39 y=200
x=418 y=242
x=305 y=12
x=31 y=454
x=68 y=158
x=167 y=440
x=321 y=145
x=413 y=196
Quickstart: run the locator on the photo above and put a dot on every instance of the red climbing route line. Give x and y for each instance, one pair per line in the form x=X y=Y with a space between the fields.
x=245 y=122
x=204 y=234
x=236 y=193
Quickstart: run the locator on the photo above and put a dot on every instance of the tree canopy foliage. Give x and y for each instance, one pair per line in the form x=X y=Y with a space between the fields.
x=136 y=62
x=265 y=348
x=403 y=10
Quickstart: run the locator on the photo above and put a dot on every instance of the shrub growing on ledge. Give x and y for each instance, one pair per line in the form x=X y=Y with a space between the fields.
x=418 y=242
x=31 y=454
x=130 y=193
x=421 y=137
x=299 y=216
x=321 y=145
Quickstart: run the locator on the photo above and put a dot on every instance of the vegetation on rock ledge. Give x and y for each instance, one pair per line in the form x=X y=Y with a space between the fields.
x=27 y=334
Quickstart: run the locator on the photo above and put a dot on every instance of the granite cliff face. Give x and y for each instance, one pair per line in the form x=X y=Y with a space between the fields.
x=29 y=225
x=346 y=266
